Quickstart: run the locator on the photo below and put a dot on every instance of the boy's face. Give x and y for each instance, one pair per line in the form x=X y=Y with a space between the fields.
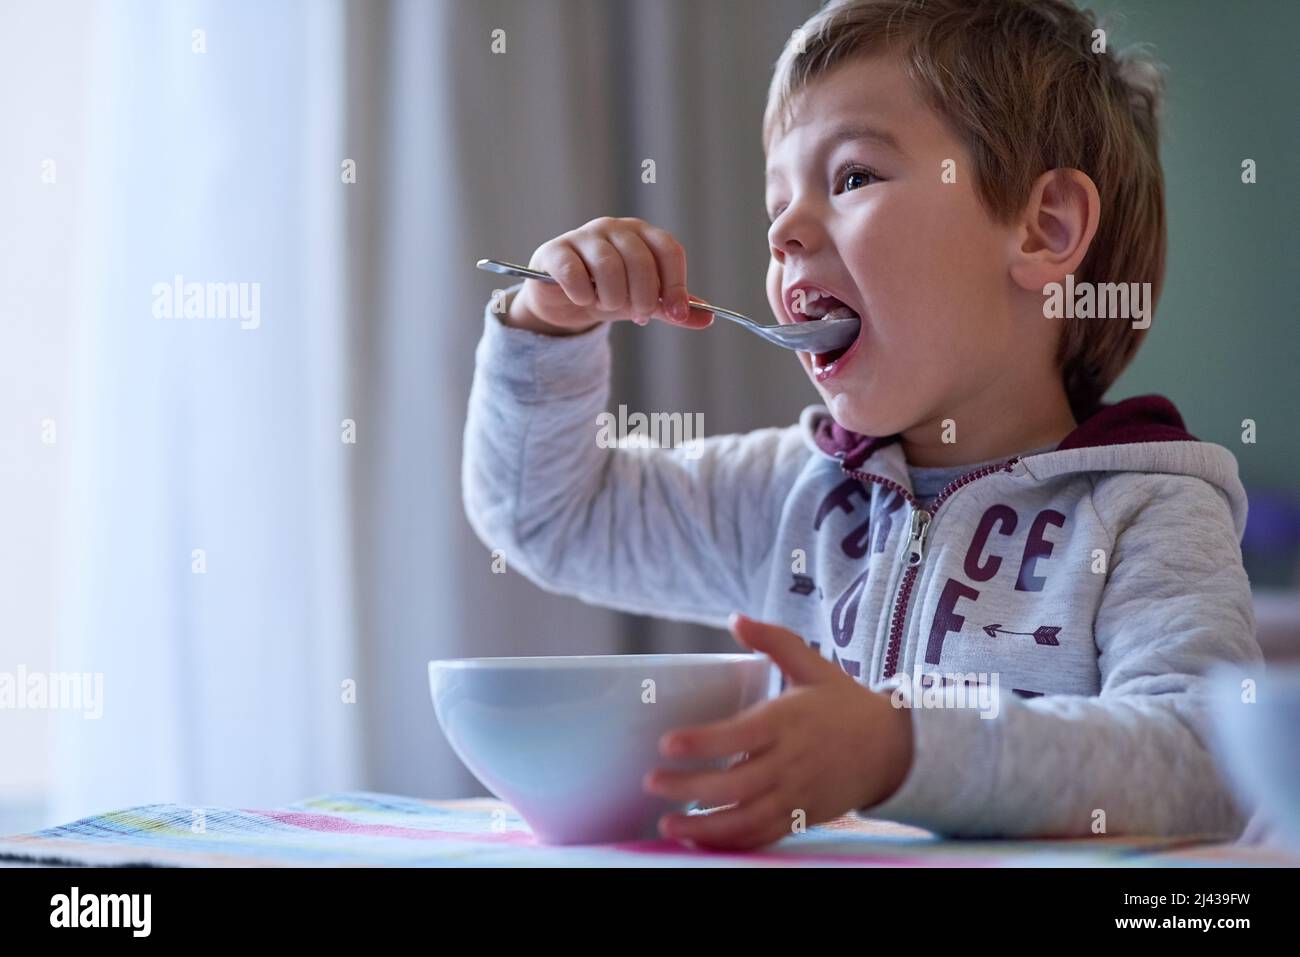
x=872 y=221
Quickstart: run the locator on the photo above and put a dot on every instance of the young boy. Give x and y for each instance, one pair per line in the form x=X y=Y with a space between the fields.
x=963 y=512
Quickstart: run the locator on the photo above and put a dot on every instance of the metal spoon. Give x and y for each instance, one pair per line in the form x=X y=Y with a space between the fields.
x=815 y=335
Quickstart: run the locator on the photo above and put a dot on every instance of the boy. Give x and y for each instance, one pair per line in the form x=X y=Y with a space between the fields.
x=962 y=512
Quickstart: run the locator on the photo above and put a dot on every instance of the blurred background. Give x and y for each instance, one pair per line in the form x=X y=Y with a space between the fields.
x=253 y=529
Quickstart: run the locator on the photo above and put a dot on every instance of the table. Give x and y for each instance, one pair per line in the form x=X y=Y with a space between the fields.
x=369 y=829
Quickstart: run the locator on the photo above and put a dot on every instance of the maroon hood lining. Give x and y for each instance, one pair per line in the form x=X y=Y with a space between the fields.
x=1143 y=418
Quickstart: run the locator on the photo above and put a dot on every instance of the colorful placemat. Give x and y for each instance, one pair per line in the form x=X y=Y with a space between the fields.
x=366 y=829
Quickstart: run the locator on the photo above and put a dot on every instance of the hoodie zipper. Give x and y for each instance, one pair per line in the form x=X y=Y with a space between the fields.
x=920 y=526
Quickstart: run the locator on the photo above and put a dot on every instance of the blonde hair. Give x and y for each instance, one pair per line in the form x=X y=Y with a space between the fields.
x=1018 y=82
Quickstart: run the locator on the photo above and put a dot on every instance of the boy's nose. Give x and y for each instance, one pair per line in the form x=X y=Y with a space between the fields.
x=792 y=235
x=783 y=243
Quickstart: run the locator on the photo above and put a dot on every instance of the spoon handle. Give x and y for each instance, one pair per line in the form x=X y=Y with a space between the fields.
x=514 y=269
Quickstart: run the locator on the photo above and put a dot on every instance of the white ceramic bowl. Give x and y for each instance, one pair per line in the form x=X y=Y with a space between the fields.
x=566 y=740
x=1258 y=742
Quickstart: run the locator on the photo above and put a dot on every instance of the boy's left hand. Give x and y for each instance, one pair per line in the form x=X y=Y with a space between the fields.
x=825 y=746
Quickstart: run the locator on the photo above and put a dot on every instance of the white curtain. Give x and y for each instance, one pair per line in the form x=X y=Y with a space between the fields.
x=325 y=561
x=208 y=558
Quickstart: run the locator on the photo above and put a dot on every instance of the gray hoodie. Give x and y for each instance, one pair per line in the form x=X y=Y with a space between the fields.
x=1048 y=619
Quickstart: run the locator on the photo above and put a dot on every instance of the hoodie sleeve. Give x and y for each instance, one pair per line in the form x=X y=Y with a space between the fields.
x=1177 y=602
x=682 y=533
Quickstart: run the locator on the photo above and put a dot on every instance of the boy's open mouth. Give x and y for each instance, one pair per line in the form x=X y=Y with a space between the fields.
x=806 y=303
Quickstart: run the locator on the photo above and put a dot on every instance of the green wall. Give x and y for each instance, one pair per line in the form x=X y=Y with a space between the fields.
x=1224 y=344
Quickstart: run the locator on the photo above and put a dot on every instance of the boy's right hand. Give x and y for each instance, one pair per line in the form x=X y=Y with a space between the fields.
x=610 y=269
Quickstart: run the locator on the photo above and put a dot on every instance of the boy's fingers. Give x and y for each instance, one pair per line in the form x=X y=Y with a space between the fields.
x=792 y=655
x=564 y=264
x=750 y=731
x=740 y=782
x=670 y=258
x=698 y=318
x=751 y=824
x=605 y=263
x=642 y=272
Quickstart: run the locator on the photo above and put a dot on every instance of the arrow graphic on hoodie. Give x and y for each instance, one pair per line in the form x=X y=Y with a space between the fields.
x=1043 y=635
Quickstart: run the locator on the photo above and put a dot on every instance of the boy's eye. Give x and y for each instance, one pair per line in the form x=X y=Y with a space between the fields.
x=847 y=174
x=854 y=173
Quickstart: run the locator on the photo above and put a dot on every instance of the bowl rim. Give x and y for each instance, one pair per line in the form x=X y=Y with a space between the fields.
x=656 y=659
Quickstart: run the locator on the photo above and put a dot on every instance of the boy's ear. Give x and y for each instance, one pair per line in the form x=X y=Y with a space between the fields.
x=1056 y=228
